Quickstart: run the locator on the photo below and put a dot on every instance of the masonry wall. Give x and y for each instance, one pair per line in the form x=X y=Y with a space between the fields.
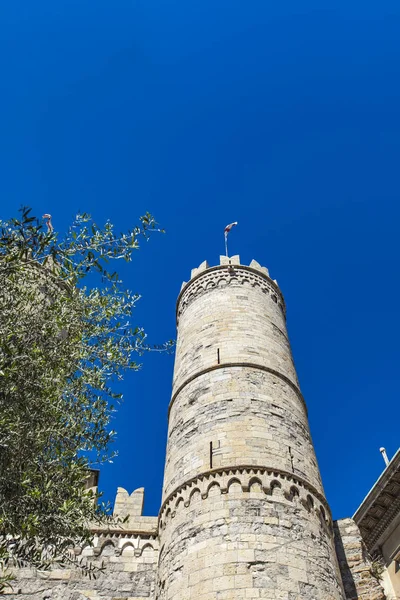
x=356 y=566
x=237 y=415
x=128 y=553
x=130 y=569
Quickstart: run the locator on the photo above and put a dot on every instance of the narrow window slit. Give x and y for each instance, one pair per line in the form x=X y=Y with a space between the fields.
x=291 y=458
x=211 y=455
x=218 y=357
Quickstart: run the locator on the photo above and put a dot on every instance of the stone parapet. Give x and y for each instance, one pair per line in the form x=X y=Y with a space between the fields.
x=229 y=272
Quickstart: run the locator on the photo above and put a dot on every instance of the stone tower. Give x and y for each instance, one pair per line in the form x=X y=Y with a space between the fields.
x=244 y=513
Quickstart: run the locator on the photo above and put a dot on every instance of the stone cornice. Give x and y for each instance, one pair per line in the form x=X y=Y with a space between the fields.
x=119 y=532
x=372 y=537
x=381 y=505
x=211 y=278
x=238 y=364
x=249 y=471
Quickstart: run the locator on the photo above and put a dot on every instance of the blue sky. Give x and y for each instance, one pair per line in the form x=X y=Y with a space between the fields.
x=282 y=116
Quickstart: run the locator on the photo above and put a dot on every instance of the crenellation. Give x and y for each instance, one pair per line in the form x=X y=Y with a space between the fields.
x=255 y=265
x=228 y=273
x=129 y=505
x=202 y=267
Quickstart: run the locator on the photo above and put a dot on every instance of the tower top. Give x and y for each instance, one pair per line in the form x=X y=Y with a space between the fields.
x=230 y=272
x=226 y=261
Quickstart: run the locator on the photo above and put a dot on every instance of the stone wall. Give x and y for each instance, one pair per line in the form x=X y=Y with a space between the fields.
x=355 y=565
x=128 y=553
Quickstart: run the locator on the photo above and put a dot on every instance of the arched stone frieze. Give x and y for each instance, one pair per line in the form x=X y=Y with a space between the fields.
x=223 y=276
x=276 y=486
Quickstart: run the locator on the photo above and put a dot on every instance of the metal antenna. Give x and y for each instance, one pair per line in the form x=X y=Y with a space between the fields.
x=384 y=455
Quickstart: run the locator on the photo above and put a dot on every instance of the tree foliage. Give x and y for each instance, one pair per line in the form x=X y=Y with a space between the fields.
x=62 y=348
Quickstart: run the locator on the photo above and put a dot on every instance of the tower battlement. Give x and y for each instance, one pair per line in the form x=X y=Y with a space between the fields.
x=229 y=272
x=227 y=261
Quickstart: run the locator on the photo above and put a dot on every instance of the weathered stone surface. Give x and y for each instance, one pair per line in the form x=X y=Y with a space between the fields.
x=355 y=563
x=130 y=563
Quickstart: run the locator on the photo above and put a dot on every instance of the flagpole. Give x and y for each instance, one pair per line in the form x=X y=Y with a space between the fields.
x=226 y=231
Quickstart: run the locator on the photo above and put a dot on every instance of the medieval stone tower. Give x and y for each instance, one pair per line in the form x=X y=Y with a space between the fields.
x=243 y=512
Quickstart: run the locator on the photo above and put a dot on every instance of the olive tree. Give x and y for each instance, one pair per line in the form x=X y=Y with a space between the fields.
x=63 y=346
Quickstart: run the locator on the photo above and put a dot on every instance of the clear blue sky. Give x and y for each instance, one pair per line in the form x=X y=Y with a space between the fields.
x=283 y=116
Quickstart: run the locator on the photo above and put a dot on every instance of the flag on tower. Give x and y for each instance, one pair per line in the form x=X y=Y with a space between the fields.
x=226 y=231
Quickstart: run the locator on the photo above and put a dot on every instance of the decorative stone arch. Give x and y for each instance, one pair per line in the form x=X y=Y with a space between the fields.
x=200 y=290
x=179 y=502
x=105 y=548
x=161 y=552
x=167 y=515
x=195 y=495
x=128 y=549
x=232 y=482
x=275 y=488
x=322 y=515
x=255 y=485
x=213 y=489
x=147 y=548
x=294 y=494
x=86 y=550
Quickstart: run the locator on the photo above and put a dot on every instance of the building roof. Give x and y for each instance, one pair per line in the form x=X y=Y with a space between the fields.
x=381 y=505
